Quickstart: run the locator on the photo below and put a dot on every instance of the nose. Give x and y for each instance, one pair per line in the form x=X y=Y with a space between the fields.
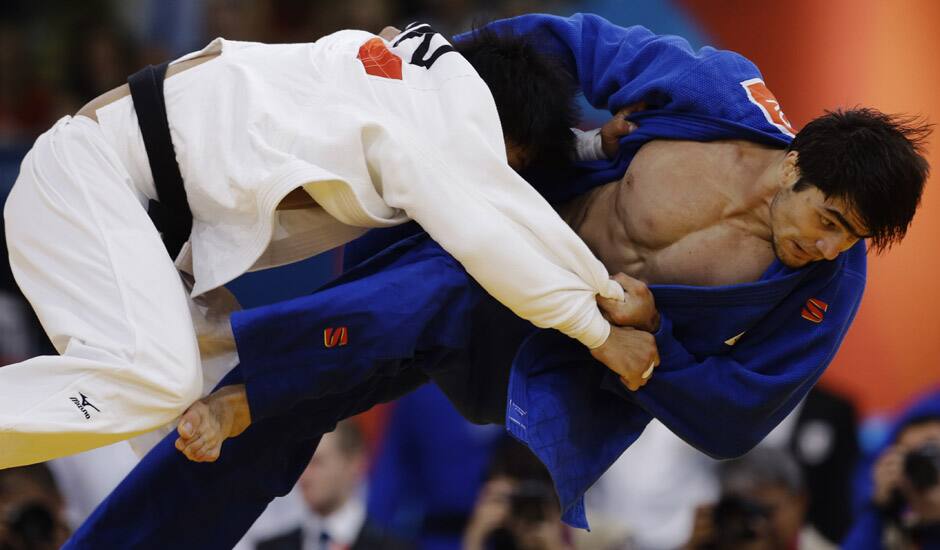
x=830 y=246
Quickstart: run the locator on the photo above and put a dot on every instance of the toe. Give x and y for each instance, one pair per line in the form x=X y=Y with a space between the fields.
x=189 y=423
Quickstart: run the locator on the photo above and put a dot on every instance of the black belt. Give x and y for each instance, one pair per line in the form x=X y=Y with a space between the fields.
x=170 y=213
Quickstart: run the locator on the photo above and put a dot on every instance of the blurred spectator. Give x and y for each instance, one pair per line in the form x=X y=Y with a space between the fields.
x=653 y=489
x=824 y=441
x=26 y=104
x=31 y=510
x=87 y=478
x=517 y=507
x=101 y=57
x=763 y=505
x=659 y=505
x=429 y=470
x=903 y=511
x=332 y=488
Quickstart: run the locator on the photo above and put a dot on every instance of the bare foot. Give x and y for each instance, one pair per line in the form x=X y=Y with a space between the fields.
x=210 y=421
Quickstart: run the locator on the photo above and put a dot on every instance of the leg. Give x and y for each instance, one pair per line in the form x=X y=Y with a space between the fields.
x=87 y=257
x=168 y=501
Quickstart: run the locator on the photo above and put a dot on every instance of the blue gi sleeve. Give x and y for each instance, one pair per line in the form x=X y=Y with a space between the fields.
x=699 y=95
x=726 y=403
x=618 y=66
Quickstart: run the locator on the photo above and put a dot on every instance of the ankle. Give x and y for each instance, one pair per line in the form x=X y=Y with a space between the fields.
x=234 y=401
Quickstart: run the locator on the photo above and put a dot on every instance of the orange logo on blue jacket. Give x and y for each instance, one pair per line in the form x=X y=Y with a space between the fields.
x=761 y=96
x=333 y=337
x=814 y=310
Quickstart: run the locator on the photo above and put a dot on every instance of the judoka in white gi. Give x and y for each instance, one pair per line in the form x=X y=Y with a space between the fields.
x=376 y=132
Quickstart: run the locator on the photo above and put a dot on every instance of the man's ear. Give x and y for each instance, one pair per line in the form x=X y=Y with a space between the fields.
x=516 y=155
x=791 y=172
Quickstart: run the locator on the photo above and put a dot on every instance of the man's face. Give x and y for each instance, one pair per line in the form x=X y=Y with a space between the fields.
x=808 y=227
x=924 y=503
x=781 y=527
x=332 y=477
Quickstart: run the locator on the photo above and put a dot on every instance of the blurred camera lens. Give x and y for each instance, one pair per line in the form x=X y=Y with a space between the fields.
x=32 y=523
x=921 y=466
x=738 y=519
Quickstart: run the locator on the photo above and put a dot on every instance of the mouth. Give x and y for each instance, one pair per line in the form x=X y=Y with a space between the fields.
x=801 y=253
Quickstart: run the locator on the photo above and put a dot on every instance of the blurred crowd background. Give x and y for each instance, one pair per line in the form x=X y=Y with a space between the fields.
x=414 y=474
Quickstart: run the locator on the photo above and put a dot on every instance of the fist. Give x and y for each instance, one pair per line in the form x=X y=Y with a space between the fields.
x=630 y=353
x=637 y=310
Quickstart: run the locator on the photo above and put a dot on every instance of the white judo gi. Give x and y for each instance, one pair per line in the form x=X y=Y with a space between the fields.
x=377 y=133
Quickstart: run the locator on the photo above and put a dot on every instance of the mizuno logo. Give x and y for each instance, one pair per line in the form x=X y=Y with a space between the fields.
x=84 y=405
x=333 y=337
x=814 y=310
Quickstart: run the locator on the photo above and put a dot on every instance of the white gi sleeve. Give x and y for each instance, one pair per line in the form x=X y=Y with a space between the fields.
x=499 y=228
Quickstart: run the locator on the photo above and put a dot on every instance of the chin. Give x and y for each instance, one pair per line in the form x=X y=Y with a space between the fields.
x=787 y=259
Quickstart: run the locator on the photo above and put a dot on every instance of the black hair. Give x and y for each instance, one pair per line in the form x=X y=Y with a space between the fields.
x=760 y=467
x=514 y=460
x=873 y=161
x=535 y=95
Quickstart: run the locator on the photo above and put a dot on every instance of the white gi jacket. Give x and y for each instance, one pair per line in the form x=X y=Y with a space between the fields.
x=377 y=135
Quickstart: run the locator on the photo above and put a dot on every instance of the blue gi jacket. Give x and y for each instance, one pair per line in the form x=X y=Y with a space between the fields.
x=577 y=417
x=734 y=360
x=720 y=397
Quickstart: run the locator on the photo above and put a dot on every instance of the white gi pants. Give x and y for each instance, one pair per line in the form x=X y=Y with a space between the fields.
x=91 y=263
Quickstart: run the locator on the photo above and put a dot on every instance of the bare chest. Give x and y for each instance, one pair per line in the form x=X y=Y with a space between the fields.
x=680 y=220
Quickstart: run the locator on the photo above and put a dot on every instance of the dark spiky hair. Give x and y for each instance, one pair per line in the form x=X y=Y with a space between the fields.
x=873 y=161
x=534 y=95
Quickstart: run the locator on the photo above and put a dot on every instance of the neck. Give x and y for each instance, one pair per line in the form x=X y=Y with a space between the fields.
x=758 y=184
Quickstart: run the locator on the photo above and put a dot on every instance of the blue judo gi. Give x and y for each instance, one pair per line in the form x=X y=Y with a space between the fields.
x=735 y=360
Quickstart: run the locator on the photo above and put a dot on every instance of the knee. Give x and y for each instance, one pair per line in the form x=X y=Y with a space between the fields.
x=175 y=379
x=189 y=387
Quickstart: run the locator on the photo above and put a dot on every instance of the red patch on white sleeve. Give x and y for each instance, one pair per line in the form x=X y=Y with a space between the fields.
x=378 y=60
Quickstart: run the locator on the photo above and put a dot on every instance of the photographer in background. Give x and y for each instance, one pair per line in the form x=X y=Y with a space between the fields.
x=763 y=506
x=31 y=510
x=332 y=487
x=904 y=509
x=517 y=507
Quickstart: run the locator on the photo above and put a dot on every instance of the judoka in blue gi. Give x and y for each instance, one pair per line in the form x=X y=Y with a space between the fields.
x=751 y=241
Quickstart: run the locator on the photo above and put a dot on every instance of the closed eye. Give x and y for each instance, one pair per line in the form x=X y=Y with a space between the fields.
x=827 y=223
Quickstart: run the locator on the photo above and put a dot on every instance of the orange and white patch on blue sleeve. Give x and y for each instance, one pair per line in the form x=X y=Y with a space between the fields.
x=760 y=95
